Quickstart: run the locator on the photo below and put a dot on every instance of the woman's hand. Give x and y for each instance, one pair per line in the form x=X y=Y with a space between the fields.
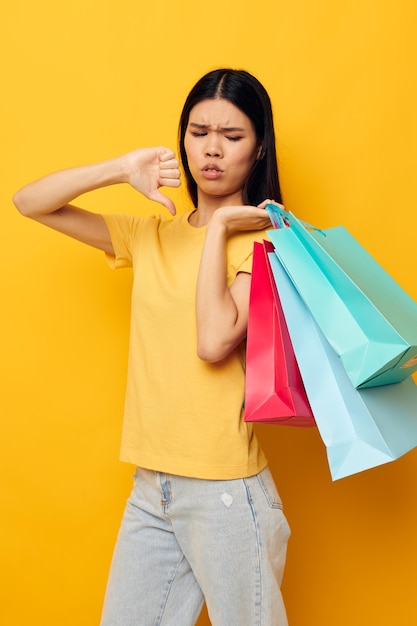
x=265 y=202
x=241 y=218
x=148 y=169
x=234 y=219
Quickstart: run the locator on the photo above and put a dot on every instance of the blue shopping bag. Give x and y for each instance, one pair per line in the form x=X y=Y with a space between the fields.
x=361 y=428
x=369 y=320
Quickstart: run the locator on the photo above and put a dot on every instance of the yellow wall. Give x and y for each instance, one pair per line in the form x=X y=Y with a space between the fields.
x=84 y=80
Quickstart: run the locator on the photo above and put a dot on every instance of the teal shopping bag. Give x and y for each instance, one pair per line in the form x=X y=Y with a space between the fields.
x=369 y=320
x=361 y=428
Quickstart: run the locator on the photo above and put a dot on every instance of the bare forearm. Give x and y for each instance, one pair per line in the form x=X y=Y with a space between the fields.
x=221 y=323
x=56 y=190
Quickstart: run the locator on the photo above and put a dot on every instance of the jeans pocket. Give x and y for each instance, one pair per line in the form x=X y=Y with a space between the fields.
x=269 y=489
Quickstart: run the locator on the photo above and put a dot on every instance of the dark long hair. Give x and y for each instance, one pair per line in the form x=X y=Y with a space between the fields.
x=249 y=95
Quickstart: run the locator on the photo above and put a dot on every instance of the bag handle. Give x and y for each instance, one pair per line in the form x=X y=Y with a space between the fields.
x=280 y=218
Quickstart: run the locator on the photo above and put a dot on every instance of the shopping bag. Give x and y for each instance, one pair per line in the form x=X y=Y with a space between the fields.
x=274 y=389
x=369 y=320
x=361 y=428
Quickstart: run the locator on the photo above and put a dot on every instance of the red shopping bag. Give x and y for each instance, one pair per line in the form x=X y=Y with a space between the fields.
x=274 y=389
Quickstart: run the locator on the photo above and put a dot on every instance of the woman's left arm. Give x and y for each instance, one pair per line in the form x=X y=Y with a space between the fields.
x=222 y=311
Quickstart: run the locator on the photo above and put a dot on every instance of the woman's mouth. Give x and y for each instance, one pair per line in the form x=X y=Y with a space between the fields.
x=211 y=172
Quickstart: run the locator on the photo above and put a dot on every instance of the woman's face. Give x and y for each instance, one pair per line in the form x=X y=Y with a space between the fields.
x=221 y=148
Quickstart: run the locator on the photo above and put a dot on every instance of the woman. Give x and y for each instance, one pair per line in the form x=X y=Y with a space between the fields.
x=204 y=520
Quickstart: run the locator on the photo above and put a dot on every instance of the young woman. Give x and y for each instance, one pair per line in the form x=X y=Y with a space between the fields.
x=204 y=520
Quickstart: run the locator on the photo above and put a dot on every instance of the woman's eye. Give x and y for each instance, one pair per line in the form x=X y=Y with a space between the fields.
x=233 y=138
x=201 y=134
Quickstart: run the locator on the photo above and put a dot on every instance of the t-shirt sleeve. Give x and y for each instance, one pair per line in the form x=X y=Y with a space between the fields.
x=122 y=231
x=246 y=264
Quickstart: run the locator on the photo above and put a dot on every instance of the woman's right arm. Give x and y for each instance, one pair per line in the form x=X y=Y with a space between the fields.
x=48 y=200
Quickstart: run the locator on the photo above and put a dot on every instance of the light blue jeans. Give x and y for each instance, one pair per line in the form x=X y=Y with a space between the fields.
x=186 y=540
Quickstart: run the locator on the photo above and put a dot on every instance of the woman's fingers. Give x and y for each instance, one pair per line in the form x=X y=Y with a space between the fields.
x=268 y=201
x=169 y=170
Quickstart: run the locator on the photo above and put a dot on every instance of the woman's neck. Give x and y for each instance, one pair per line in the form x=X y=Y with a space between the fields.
x=208 y=205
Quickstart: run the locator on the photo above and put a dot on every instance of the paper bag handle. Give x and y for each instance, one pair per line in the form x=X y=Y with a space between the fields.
x=282 y=219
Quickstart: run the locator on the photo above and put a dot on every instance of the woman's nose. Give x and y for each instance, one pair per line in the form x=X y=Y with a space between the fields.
x=213 y=147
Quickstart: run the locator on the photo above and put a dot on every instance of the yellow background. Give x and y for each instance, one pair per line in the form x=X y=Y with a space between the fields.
x=83 y=80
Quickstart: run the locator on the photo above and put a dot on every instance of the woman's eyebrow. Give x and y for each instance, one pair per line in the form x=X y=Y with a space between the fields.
x=228 y=129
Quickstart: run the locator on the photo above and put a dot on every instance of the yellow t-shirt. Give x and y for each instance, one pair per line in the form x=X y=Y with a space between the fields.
x=182 y=415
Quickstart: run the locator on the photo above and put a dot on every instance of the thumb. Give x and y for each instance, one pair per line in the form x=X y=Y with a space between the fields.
x=159 y=197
